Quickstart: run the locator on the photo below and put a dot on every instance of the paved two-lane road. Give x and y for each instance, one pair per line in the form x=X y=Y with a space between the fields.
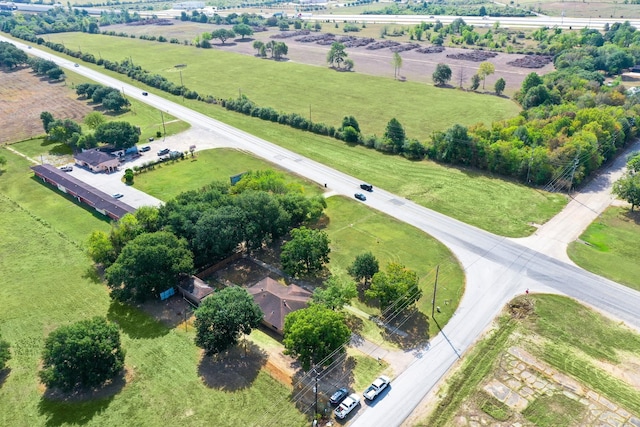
x=496 y=268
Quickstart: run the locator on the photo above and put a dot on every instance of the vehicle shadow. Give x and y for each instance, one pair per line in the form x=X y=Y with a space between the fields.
x=234 y=370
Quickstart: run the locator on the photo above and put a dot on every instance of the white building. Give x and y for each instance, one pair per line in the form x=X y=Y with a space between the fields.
x=189 y=5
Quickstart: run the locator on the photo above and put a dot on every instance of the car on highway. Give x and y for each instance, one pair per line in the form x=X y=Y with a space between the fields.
x=66 y=168
x=347 y=406
x=360 y=196
x=145 y=93
x=376 y=387
x=163 y=152
x=117 y=196
x=339 y=396
x=145 y=149
x=367 y=187
x=76 y=65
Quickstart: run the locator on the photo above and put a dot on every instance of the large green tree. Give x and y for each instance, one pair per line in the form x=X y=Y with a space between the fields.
x=83 y=354
x=397 y=287
x=441 y=75
x=118 y=134
x=94 y=119
x=307 y=252
x=223 y=34
x=395 y=134
x=314 y=333
x=218 y=233
x=223 y=317
x=149 y=264
x=335 y=293
x=336 y=54
x=628 y=188
x=485 y=69
x=243 y=30
x=500 y=85
x=364 y=267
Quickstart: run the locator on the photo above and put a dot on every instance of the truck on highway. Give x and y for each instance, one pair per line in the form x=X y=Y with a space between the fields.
x=376 y=387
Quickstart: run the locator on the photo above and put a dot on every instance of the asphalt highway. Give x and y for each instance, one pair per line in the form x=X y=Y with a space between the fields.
x=496 y=268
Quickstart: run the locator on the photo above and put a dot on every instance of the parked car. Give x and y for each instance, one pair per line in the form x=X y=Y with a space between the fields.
x=117 y=196
x=151 y=139
x=347 y=406
x=163 y=152
x=66 y=168
x=376 y=387
x=339 y=396
x=145 y=93
x=360 y=196
x=145 y=149
x=367 y=187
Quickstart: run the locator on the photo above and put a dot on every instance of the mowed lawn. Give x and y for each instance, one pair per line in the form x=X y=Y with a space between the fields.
x=325 y=95
x=47 y=281
x=609 y=247
x=352 y=227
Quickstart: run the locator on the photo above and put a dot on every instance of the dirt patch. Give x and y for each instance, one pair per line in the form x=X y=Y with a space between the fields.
x=474 y=55
x=25 y=96
x=173 y=312
x=234 y=369
x=532 y=61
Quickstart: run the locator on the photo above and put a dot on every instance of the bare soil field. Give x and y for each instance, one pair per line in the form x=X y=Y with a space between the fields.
x=416 y=66
x=24 y=96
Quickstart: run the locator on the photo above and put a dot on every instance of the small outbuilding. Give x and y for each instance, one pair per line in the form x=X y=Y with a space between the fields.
x=277 y=300
x=194 y=289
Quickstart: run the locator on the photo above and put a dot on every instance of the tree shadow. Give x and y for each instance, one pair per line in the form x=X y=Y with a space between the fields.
x=94 y=274
x=234 y=370
x=225 y=44
x=632 y=216
x=409 y=330
x=244 y=40
x=4 y=374
x=337 y=375
x=79 y=406
x=134 y=322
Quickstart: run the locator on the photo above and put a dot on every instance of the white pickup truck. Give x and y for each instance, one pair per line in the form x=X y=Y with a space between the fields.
x=347 y=406
x=376 y=387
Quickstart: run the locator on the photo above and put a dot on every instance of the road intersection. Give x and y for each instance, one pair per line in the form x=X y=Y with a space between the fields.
x=496 y=268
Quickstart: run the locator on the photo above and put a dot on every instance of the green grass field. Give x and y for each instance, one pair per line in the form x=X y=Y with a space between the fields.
x=554 y=332
x=47 y=281
x=490 y=203
x=324 y=94
x=611 y=249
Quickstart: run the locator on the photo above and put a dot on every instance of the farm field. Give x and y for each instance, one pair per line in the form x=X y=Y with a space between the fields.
x=608 y=247
x=26 y=95
x=352 y=228
x=48 y=282
x=294 y=88
x=540 y=366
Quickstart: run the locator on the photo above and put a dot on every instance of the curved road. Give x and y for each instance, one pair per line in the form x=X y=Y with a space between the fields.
x=496 y=268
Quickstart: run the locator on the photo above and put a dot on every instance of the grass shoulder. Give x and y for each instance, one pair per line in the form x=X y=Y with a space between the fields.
x=608 y=247
x=539 y=366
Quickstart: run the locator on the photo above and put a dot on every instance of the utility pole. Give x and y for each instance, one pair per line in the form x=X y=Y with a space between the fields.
x=163 y=128
x=576 y=162
x=315 y=389
x=435 y=287
x=181 y=86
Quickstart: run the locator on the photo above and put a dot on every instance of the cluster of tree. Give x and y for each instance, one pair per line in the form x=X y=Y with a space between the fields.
x=628 y=187
x=277 y=49
x=118 y=17
x=200 y=227
x=118 y=134
x=11 y=56
x=306 y=253
x=337 y=56
x=85 y=354
x=427 y=8
x=45 y=67
x=56 y=20
x=110 y=98
x=249 y=19
x=622 y=35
